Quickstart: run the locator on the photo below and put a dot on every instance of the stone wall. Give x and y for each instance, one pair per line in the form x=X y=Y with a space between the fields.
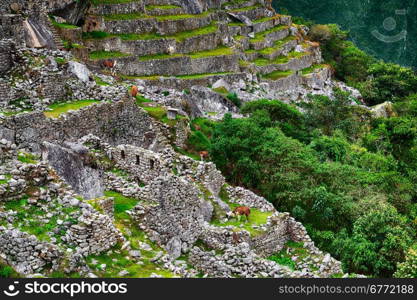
x=94 y=234
x=177 y=216
x=25 y=252
x=116 y=123
x=75 y=166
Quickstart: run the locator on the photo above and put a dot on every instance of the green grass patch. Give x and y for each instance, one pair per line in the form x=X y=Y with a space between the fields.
x=256 y=218
x=155 y=7
x=27 y=158
x=214 y=52
x=100 y=81
x=260 y=36
x=313 y=68
x=7 y=271
x=159 y=56
x=246 y=8
x=110 y=2
x=156 y=112
x=61 y=108
x=202 y=75
x=121 y=204
x=277 y=75
x=95 y=55
x=63 y=25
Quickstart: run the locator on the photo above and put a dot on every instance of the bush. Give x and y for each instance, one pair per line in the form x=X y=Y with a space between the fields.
x=234 y=98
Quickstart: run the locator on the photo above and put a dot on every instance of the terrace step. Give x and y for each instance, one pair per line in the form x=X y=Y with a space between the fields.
x=202 y=39
x=266 y=23
x=236 y=4
x=281 y=47
x=116 y=8
x=177 y=64
x=164 y=25
x=164 y=10
x=252 y=12
x=285 y=63
x=267 y=38
x=187 y=81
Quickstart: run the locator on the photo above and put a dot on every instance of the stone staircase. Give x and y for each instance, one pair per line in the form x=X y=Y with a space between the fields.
x=173 y=39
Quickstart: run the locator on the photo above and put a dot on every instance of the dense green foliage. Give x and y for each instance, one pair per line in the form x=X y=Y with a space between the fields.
x=362 y=19
x=348 y=178
x=378 y=81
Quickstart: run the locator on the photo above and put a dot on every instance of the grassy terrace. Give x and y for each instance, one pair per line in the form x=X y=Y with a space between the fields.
x=95 y=55
x=61 y=108
x=181 y=36
x=109 y=2
x=63 y=25
x=260 y=36
x=277 y=45
x=247 y=8
x=261 y=62
x=185 y=77
x=137 y=16
x=313 y=68
x=265 y=19
x=195 y=55
x=155 y=7
x=277 y=75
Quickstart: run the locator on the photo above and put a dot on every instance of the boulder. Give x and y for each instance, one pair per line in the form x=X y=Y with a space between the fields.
x=79 y=70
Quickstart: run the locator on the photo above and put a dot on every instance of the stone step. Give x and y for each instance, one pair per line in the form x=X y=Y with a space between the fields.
x=202 y=39
x=116 y=8
x=55 y=34
x=267 y=38
x=175 y=65
x=163 y=25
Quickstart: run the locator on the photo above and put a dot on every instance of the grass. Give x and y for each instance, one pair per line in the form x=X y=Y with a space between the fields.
x=95 y=55
x=100 y=81
x=7 y=271
x=8 y=177
x=155 y=7
x=313 y=68
x=202 y=75
x=260 y=36
x=180 y=36
x=213 y=52
x=136 y=16
x=27 y=158
x=256 y=218
x=109 y=2
x=265 y=19
x=280 y=59
x=121 y=204
x=63 y=25
x=277 y=45
x=290 y=249
x=277 y=75
x=159 y=56
x=61 y=108
x=156 y=112
x=245 y=8
x=140 y=100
